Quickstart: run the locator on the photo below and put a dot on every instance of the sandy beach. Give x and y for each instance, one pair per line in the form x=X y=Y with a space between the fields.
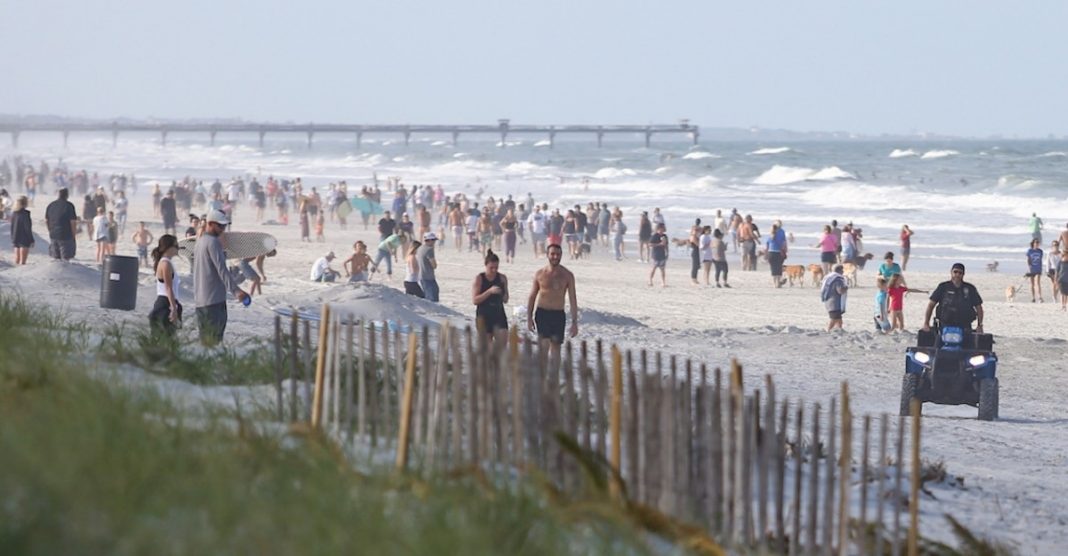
x=1015 y=477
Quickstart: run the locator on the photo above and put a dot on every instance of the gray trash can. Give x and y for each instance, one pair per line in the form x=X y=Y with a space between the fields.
x=118 y=283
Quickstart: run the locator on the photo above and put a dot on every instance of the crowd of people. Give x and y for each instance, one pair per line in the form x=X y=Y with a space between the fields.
x=412 y=220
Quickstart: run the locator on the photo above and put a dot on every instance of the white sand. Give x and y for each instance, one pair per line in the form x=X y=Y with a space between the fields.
x=1015 y=470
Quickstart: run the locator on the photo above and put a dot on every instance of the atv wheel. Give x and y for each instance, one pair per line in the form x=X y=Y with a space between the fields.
x=909 y=384
x=988 y=399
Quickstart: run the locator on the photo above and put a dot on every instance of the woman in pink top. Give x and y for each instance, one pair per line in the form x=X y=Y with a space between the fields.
x=906 y=246
x=828 y=245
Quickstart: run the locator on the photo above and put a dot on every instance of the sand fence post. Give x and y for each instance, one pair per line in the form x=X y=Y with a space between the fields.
x=644 y=432
x=309 y=366
x=827 y=537
x=862 y=541
x=779 y=453
x=845 y=470
x=317 y=400
x=295 y=373
x=880 y=492
x=361 y=386
x=375 y=418
x=747 y=426
x=601 y=393
x=813 y=483
x=350 y=375
x=700 y=453
x=278 y=364
x=799 y=462
x=669 y=464
x=898 y=472
x=616 y=421
x=517 y=399
x=569 y=407
x=716 y=448
x=766 y=456
x=335 y=374
x=406 y=405
x=686 y=495
x=439 y=394
x=914 y=494
x=472 y=399
x=633 y=457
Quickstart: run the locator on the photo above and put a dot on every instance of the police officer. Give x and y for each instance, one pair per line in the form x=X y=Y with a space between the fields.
x=958 y=303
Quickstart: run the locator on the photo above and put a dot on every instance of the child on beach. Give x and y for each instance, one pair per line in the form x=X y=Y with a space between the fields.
x=319 y=222
x=141 y=238
x=359 y=262
x=113 y=232
x=882 y=307
x=896 y=290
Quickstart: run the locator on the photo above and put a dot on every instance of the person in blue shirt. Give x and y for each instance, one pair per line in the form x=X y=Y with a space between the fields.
x=1034 y=269
x=777 y=250
x=889 y=267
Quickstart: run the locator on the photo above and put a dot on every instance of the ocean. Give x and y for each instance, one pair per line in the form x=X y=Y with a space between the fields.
x=965 y=200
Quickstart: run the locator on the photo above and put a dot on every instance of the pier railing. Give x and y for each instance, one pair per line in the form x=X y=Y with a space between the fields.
x=754 y=470
x=504 y=129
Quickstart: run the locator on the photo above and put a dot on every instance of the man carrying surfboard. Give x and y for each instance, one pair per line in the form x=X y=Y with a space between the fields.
x=212 y=280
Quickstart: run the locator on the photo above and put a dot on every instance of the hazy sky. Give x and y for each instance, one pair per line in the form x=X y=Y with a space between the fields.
x=960 y=67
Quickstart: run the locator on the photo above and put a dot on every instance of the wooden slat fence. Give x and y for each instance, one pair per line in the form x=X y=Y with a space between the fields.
x=756 y=469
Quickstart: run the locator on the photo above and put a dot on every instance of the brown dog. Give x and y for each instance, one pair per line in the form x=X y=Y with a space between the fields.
x=795 y=272
x=849 y=270
x=816 y=270
x=681 y=242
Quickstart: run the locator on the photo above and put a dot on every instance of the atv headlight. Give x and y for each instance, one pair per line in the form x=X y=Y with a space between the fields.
x=921 y=357
x=977 y=360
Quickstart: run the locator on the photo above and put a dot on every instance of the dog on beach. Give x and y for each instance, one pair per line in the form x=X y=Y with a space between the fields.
x=795 y=272
x=1010 y=293
x=849 y=270
x=992 y=267
x=584 y=251
x=681 y=242
x=816 y=270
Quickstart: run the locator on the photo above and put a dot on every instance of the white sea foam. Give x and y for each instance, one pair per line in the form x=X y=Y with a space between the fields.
x=771 y=150
x=782 y=175
x=521 y=167
x=699 y=155
x=460 y=155
x=543 y=143
x=439 y=144
x=929 y=155
x=609 y=173
x=903 y=153
x=1054 y=154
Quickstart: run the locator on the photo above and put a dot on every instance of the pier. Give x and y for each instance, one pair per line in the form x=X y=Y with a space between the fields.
x=503 y=129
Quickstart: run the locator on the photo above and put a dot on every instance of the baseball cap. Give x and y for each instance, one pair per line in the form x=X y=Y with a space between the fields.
x=218 y=217
x=958 y=266
x=330 y=255
x=430 y=236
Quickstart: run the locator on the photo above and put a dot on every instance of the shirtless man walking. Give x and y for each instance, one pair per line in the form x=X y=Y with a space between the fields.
x=545 y=312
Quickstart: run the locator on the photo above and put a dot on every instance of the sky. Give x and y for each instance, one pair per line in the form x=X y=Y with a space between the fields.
x=969 y=68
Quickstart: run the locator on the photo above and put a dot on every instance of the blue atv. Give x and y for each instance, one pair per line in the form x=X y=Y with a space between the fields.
x=952 y=366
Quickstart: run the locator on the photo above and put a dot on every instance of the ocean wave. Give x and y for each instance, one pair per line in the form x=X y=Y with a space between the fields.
x=902 y=153
x=1054 y=154
x=439 y=144
x=782 y=175
x=939 y=154
x=543 y=143
x=522 y=167
x=771 y=150
x=609 y=173
x=901 y=198
x=460 y=155
x=699 y=155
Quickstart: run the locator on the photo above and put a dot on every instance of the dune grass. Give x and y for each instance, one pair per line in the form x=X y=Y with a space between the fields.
x=89 y=469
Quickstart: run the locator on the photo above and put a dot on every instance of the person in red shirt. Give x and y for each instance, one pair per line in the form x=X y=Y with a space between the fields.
x=897 y=291
x=906 y=246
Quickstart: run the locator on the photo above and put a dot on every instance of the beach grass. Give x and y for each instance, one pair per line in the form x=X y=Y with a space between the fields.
x=91 y=469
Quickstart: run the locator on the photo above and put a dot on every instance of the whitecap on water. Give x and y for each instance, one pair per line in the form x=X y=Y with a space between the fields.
x=771 y=150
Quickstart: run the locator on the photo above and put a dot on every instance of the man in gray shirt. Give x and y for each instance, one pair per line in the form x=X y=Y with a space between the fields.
x=212 y=280
x=424 y=256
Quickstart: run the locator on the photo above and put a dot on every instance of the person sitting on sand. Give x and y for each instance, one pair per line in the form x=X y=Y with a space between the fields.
x=359 y=262
x=321 y=271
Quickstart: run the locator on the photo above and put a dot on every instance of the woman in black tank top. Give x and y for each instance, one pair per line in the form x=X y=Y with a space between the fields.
x=489 y=293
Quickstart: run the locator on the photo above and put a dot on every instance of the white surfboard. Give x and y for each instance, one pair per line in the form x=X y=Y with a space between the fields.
x=238 y=245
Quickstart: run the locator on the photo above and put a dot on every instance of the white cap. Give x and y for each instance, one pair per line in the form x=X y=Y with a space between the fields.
x=219 y=217
x=430 y=236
